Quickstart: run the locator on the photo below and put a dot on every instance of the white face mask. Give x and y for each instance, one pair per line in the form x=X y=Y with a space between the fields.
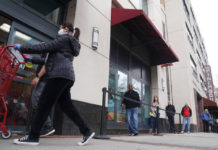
x=61 y=32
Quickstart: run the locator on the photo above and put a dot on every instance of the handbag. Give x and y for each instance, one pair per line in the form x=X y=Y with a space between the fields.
x=152 y=114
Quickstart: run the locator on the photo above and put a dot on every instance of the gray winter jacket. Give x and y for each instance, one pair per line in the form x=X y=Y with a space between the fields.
x=61 y=51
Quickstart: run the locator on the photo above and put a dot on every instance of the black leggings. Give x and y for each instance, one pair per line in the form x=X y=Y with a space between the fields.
x=56 y=89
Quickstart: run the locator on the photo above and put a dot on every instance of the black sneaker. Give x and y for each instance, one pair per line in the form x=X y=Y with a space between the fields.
x=86 y=139
x=47 y=132
x=26 y=141
x=135 y=134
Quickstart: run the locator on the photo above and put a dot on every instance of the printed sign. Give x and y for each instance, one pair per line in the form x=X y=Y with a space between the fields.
x=209 y=81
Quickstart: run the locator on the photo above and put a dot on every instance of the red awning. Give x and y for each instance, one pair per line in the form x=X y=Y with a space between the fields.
x=141 y=26
x=209 y=103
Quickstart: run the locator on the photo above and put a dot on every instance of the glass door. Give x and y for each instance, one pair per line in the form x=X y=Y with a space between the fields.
x=19 y=93
x=5 y=26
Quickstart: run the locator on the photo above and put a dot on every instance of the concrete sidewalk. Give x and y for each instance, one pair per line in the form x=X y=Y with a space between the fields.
x=193 y=141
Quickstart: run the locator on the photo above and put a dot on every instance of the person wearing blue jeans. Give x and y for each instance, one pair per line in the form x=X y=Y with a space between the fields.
x=186 y=113
x=132 y=117
x=131 y=109
x=186 y=119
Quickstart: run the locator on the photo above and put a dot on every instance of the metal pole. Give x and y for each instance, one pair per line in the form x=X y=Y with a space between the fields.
x=102 y=136
x=103 y=111
x=180 y=121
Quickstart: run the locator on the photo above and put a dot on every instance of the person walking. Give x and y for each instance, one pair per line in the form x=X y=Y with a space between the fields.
x=38 y=84
x=206 y=118
x=186 y=113
x=154 y=116
x=131 y=110
x=60 y=72
x=170 y=112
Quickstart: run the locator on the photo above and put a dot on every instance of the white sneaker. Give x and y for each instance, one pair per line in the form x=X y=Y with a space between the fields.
x=182 y=132
x=188 y=132
x=26 y=141
x=86 y=139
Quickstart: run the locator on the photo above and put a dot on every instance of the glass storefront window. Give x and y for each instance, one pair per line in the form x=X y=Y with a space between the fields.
x=137 y=87
x=111 y=98
x=5 y=26
x=53 y=10
x=124 y=70
x=121 y=88
x=122 y=82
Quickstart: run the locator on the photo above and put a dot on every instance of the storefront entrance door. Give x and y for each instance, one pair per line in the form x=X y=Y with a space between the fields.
x=19 y=93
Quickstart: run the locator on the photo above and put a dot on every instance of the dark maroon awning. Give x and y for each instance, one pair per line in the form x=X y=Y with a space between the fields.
x=141 y=26
x=209 y=103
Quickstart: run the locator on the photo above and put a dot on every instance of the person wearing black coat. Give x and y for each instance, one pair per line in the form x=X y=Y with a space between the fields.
x=170 y=112
x=131 y=109
x=60 y=79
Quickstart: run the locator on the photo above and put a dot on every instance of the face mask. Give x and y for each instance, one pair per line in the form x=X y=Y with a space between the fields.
x=61 y=32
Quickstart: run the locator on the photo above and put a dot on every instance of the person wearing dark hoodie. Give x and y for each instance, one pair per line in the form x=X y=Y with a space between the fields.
x=60 y=79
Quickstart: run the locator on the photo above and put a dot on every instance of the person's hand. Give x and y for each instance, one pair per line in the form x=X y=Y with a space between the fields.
x=123 y=107
x=17 y=46
x=35 y=81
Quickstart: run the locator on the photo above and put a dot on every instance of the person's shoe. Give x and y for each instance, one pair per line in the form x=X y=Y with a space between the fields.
x=155 y=131
x=188 y=132
x=135 y=134
x=130 y=134
x=47 y=132
x=150 y=131
x=26 y=141
x=86 y=139
x=182 y=132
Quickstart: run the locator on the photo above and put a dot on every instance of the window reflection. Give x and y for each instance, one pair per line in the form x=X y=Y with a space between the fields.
x=137 y=87
x=122 y=82
x=122 y=88
x=111 y=98
x=53 y=10
x=5 y=26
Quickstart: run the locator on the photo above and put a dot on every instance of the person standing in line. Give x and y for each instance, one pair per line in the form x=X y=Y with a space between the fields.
x=170 y=112
x=61 y=77
x=154 y=116
x=186 y=113
x=206 y=118
x=131 y=110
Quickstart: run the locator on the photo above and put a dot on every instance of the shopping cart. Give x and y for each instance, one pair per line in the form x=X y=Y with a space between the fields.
x=9 y=64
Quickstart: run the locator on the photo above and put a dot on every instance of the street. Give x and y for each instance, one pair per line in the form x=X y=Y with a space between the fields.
x=193 y=141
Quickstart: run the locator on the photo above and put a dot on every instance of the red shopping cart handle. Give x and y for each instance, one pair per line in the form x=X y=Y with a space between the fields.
x=23 y=55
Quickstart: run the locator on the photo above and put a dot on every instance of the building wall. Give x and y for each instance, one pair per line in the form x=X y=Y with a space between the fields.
x=159 y=80
x=216 y=95
x=92 y=67
x=184 y=82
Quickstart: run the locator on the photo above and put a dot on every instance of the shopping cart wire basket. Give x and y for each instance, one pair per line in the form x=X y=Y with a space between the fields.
x=9 y=64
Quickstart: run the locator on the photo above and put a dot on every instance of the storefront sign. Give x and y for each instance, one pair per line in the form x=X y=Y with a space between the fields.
x=209 y=83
